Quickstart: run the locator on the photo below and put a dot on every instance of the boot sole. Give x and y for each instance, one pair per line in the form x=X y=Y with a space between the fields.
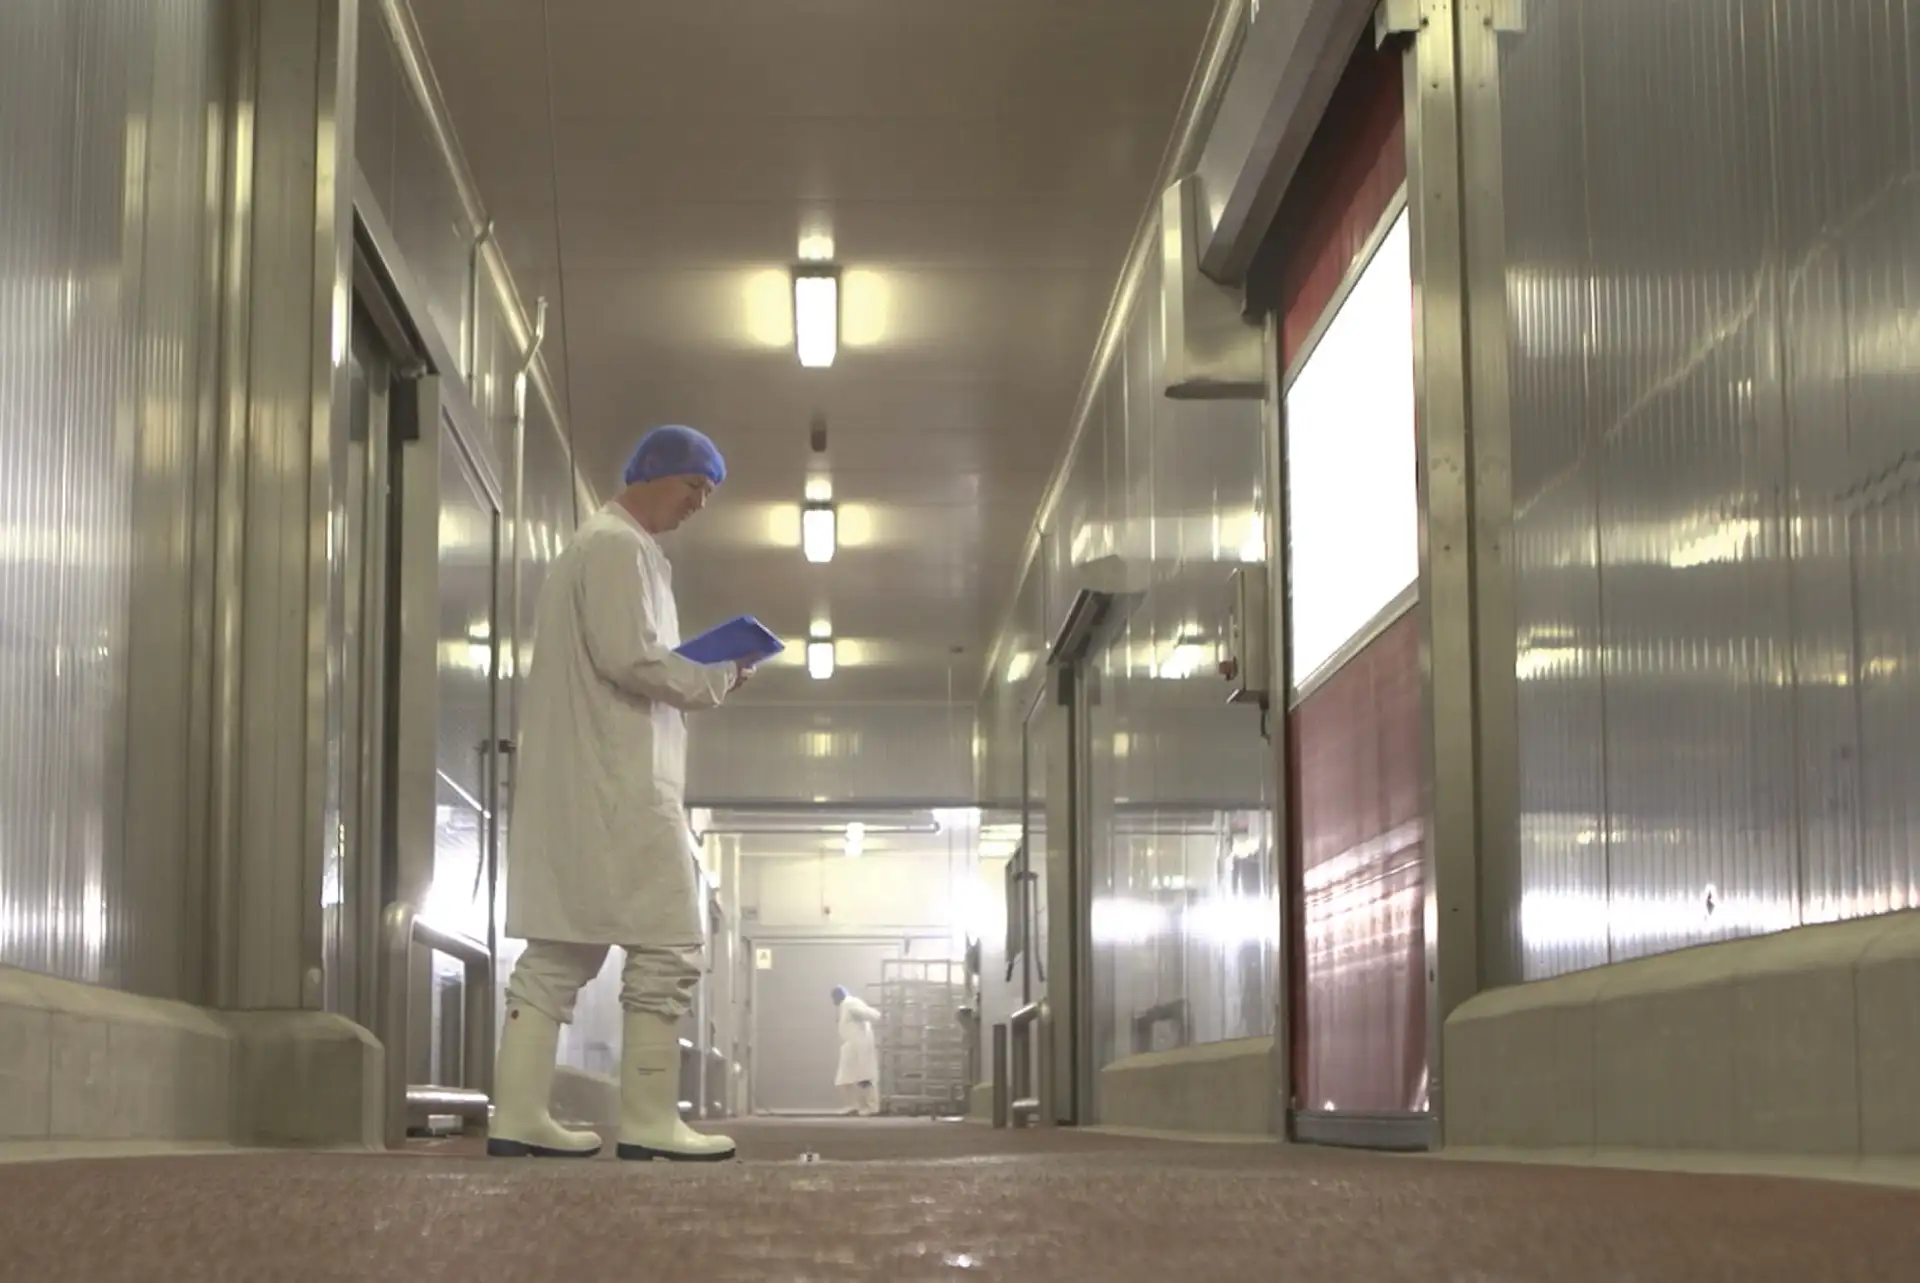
x=642 y=1154
x=520 y=1149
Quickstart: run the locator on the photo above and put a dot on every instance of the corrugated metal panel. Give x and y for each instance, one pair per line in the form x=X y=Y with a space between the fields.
x=104 y=111
x=1717 y=470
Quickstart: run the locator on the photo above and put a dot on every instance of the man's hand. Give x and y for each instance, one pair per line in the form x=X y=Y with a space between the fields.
x=741 y=675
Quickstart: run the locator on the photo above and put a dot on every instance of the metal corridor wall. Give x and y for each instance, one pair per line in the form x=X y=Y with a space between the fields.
x=108 y=245
x=1714 y=350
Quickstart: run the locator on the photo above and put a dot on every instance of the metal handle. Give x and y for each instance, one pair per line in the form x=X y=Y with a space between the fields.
x=1002 y=1115
x=401 y=929
x=1021 y=1084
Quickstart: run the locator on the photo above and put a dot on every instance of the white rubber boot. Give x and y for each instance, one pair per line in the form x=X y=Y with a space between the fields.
x=869 y=1101
x=522 y=1126
x=850 y=1097
x=650 y=1123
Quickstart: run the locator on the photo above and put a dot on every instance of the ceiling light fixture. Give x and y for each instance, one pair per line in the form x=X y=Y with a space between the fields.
x=820 y=659
x=818 y=532
x=816 y=314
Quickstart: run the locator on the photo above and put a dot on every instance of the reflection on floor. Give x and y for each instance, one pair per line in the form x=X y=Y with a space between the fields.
x=903 y=1201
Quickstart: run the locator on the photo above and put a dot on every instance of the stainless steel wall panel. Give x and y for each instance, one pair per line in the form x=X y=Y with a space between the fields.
x=546 y=523
x=286 y=386
x=1016 y=668
x=430 y=225
x=105 y=114
x=377 y=120
x=496 y=361
x=164 y=888
x=466 y=611
x=1714 y=461
x=410 y=178
x=1181 y=856
x=858 y=754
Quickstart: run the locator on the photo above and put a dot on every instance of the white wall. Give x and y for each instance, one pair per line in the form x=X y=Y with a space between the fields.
x=815 y=892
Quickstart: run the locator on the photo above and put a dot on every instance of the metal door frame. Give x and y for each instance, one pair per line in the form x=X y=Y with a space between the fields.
x=428 y=406
x=367 y=737
x=1069 y=746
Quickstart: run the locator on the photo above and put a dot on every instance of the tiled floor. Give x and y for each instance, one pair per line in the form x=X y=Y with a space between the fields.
x=901 y=1201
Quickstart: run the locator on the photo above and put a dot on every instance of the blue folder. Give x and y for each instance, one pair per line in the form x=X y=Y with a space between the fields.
x=743 y=640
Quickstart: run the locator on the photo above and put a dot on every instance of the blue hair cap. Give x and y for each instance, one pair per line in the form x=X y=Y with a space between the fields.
x=675 y=451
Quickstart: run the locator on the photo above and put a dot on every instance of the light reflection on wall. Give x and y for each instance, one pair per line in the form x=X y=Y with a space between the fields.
x=1187 y=939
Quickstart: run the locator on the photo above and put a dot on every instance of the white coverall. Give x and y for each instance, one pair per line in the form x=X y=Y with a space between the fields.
x=598 y=852
x=859 y=1073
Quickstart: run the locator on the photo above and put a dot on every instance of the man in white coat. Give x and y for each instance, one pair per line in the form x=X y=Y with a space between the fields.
x=599 y=852
x=858 y=1077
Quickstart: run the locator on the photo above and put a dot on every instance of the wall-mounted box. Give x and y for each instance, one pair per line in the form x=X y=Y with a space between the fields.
x=1213 y=353
x=1246 y=638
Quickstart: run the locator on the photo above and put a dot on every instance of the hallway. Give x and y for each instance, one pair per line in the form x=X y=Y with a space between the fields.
x=903 y=1201
x=1334 y=597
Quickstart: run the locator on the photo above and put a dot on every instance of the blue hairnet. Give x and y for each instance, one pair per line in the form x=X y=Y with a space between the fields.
x=674 y=451
x=839 y=993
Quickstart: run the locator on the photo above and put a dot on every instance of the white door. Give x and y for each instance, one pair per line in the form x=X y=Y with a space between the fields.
x=796 y=1038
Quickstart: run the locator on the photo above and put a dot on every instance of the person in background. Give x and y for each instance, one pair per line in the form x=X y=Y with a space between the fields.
x=859 y=1074
x=599 y=849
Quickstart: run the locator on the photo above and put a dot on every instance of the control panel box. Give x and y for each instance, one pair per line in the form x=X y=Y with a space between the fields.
x=1245 y=637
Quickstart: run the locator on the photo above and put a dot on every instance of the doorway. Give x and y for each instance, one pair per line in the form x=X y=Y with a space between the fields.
x=353 y=883
x=796 y=1040
x=1061 y=827
x=413 y=673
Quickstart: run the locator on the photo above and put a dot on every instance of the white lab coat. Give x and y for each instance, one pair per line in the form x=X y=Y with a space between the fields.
x=859 y=1061
x=598 y=846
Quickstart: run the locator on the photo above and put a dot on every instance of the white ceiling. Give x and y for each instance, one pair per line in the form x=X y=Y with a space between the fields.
x=980 y=166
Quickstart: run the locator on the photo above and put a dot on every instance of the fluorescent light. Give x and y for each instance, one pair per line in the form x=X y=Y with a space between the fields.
x=820 y=630
x=816 y=316
x=856 y=840
x=816 y=246
x=818 y=532
x=820 y=660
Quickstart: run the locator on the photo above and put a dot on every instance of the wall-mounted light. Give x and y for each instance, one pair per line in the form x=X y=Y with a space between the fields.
x=819 y=532
x=820 y=659
x=856 y=840
x=816 y=314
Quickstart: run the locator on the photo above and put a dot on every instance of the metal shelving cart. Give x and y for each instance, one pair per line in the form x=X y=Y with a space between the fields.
x=922 y=1037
